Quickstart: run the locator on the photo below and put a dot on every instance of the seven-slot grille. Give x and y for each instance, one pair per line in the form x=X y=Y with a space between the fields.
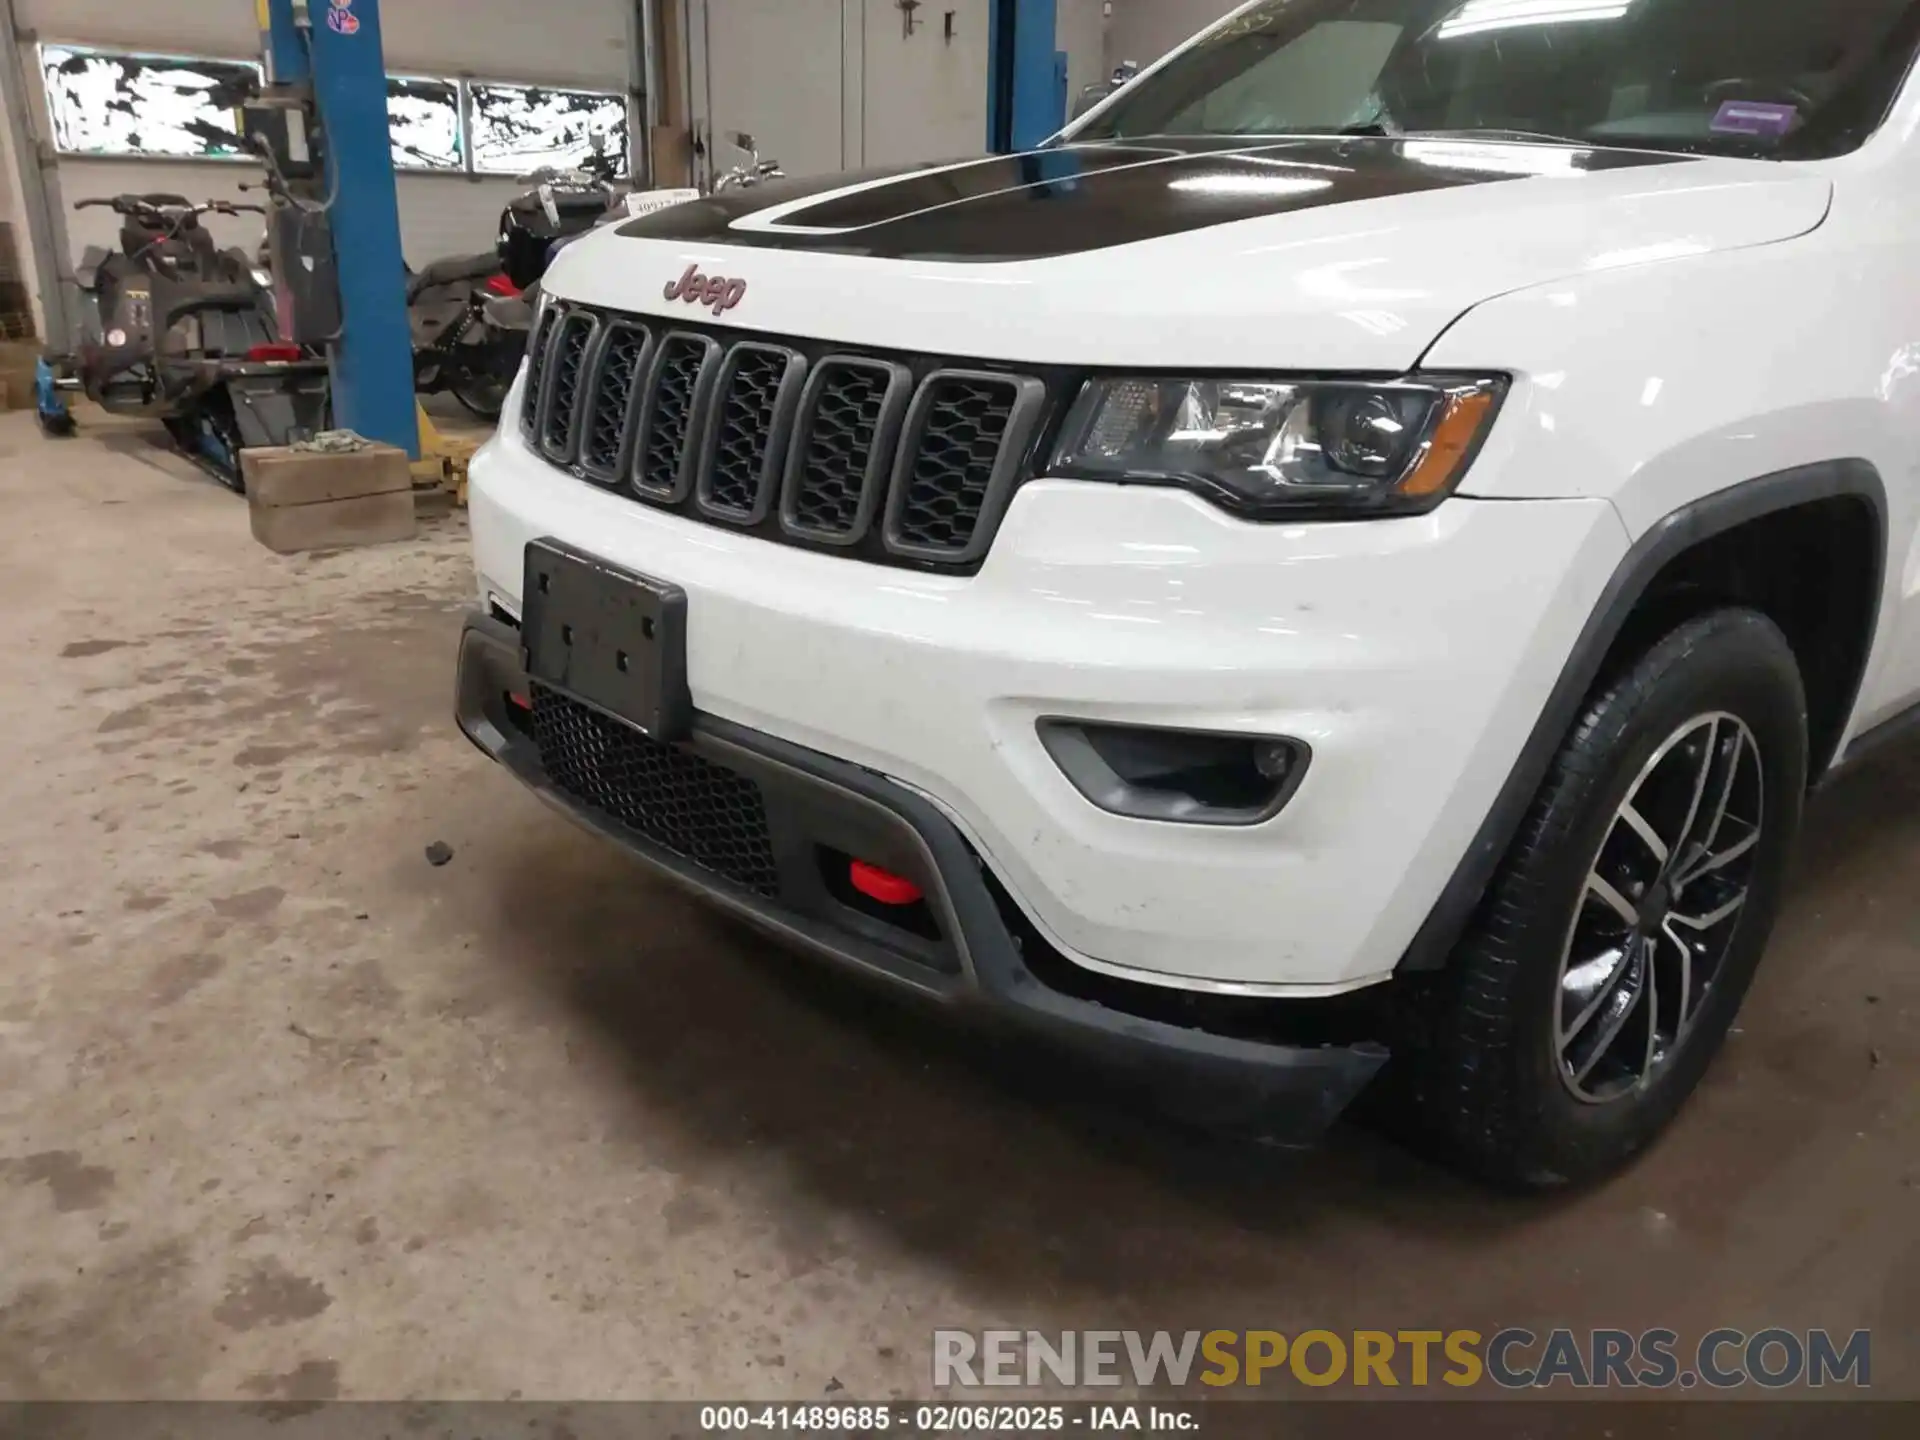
x=903 y=460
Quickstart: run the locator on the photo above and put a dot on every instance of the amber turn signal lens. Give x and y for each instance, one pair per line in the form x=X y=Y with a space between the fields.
x=1454 y=437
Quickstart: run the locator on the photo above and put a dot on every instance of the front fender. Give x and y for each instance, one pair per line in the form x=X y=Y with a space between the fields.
x=1656 y=386
x=1660 y=386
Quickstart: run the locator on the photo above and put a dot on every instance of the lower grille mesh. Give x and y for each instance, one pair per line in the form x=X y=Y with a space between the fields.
x=688 y=806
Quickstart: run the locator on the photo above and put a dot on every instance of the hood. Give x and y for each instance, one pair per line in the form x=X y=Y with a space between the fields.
x=1347 y=254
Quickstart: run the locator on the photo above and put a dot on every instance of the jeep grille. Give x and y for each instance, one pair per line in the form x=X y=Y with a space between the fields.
x=904 y=459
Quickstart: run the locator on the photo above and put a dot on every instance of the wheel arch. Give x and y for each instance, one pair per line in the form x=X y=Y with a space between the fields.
x=1849 y=483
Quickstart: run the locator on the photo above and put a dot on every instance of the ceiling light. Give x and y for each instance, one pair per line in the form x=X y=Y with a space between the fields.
x=1476 y=17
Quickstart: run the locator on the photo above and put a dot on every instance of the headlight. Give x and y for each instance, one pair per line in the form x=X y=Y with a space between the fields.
x=1284 y=449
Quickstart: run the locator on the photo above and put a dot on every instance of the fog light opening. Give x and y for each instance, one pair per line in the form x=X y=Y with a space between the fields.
x=1274 y=759
x=1193 y=777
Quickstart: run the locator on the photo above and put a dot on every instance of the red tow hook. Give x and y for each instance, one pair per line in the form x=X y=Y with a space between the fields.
x=882 y=885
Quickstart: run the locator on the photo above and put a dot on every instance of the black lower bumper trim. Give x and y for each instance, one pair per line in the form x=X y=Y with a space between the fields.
x=818 y=805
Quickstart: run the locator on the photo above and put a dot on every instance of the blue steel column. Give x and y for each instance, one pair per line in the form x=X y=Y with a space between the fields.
x=373 y=359
x=1025 y=100
x=280 y=42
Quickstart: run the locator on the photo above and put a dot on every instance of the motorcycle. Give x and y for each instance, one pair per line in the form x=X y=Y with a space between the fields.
x=1092 y=95
x=558 y=206
x=749 y=172
x=176 y=329
x=471 y=315
x=632 y=204
x=460 y=346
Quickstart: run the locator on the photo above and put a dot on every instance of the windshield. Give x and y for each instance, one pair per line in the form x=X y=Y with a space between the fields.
x=1782 y=78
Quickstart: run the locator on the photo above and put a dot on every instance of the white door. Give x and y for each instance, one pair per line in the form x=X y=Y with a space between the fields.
x=776 y=69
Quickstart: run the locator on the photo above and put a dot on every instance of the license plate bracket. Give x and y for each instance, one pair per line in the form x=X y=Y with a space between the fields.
x=609 y=636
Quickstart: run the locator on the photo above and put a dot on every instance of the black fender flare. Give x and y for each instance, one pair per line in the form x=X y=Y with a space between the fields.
x=1670 y=537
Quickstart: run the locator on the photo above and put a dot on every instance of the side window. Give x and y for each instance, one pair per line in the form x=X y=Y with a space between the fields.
x=1307 y=85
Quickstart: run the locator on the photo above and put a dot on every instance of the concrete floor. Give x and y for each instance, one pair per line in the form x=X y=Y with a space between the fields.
x=287 y=1112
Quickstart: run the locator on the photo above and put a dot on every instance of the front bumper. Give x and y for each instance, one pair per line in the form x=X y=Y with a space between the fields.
x=1412 y=656
x=975 y=954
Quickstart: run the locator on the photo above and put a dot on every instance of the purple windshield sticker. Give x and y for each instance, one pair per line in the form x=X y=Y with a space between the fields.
x=1754 y=117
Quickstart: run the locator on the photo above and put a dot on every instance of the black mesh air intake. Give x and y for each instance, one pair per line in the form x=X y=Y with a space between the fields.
x=688 y=806
x=843 y=448
x=753 y=400
x=536 y=371
x=676 y=386
x=609 y=410
x=957 y=463
x=568 y=362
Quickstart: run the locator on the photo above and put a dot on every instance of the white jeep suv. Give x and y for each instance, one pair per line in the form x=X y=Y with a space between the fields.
x=1351 y=556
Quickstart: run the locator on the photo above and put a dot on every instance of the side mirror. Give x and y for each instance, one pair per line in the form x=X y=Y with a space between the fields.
x=742 y=140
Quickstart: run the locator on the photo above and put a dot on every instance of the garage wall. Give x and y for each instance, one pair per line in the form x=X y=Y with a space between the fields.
x=578 y=41
x=192 y=27
x=780 y=72
x=1082 y=34
x=828 y=85
x=570 y=42
x=582 y=42
x=1144 y=30
x=925 y=96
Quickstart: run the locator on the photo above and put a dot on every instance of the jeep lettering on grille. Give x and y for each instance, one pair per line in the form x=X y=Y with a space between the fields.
x=715 y=291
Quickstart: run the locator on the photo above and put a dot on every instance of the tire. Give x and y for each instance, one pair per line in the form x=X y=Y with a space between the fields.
x=1480 y=1074
x=483 y=396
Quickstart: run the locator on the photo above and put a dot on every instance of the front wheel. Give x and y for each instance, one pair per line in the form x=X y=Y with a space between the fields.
x=484 y=396
x=1613 y=949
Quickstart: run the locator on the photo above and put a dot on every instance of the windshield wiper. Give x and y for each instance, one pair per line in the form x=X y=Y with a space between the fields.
x=1539 y=137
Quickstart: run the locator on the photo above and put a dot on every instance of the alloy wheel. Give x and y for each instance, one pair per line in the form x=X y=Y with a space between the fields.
x=1659 y=909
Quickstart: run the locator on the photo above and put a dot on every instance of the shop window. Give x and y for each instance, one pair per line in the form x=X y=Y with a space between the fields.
x=113 y=103
x=519 y=128
x=425 y=119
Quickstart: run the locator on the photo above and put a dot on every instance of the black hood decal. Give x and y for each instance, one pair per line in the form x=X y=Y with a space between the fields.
x=1072 y=199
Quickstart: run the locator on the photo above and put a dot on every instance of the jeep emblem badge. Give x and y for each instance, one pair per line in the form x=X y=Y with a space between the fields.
x=715 y=291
